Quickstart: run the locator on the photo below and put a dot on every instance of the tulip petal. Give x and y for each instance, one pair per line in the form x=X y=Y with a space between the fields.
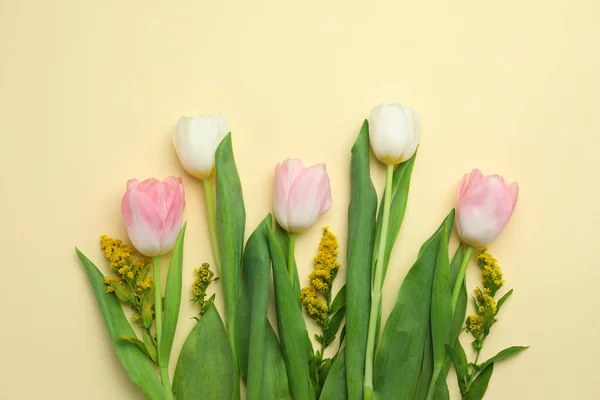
x=143 y=226
x=484 y=209
x=415 y=130
x=286 y=174
x=310 y=197
x=173 y=203
x=195 y=141
x=513 y=189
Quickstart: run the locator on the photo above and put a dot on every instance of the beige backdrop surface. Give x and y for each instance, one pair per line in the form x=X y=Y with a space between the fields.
x=90 y=92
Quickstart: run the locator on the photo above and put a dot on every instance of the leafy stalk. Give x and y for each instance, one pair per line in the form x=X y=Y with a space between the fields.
x=377 y=286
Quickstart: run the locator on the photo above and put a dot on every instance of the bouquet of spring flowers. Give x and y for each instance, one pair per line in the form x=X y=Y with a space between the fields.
x=408 y=356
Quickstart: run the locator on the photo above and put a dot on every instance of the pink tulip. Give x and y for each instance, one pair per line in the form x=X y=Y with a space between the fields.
x=153 y=213
x=483 y=207
x=301 y=194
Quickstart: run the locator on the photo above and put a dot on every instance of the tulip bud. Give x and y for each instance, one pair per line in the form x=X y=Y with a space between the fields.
x=301 y=195
x=394 y=132
x=196 y=139
x=483 y=207
x=153 y=213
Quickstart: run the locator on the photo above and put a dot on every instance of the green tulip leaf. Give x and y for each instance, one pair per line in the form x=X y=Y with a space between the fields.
x=258 y=352
x=399 y=362
x=293 y=335
x=138 y=366
x=459 y=360
x=400 y=189
x=206 y=368
x=231 y=222
x=172 y=300
x=361 y=230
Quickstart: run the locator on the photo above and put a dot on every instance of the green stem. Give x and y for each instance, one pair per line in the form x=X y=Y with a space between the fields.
x=377 y=285
x=436 y=374
x=211 y=210
x=472 y=376
x=291 y=263
x=461 y=277
x=158 y=310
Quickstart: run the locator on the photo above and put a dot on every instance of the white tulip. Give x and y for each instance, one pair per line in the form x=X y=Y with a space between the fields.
x=196 y=139
x=394 y=132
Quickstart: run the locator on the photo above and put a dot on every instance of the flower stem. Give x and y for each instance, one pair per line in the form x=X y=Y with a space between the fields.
x=211 y=210
x=461 y=277
x=291 y=264
x=472 y=376
x=377 y=285
x=158 y=310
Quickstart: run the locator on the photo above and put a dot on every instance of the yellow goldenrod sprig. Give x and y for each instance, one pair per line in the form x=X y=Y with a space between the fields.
x=316 y=298
x=204 y=276
x=131 y=283
x=318 y=304
x=486 y=306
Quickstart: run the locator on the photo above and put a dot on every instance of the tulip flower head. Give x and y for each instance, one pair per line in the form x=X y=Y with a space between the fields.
x=484 y=204
x=153 y=213
x=301 y=195
x=196 y=139
x=394 y=132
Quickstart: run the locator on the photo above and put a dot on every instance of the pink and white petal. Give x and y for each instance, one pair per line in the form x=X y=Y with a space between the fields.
x=132 y=183
x=513 y=190
x=306 y=198
x=462 y=187
x=144 y=229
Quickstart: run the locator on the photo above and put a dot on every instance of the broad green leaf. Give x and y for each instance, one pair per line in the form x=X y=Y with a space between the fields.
x=441 y=303
x=361 y=224
x=282 y=238
x=342 y=337
x=404 y=339
x=254 y=344
x=139 y=368
x=274 y=370
x=206 y=369
x=335 y=384
x=339 y=301
x=441 y=316
x=333 y=326
x=502 y=300
x=172 y=300
x=458 y=319
x=400 y=188
x=426 y=369
x=502 y=355
x=480 y=384
x=231 y=221
x=459 y=360
x=295 y=343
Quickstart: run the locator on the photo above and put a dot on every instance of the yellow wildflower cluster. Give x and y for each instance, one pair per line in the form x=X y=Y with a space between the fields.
x=314 y=305
x=485 y=305
x=131 y=284
x=492 y=274
x=486 y=301
x=326 y=265
x=475 y=325
x=321 y=279
x=204 y=277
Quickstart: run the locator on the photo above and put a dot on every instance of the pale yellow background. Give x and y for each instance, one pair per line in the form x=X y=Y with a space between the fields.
x=90 y=92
